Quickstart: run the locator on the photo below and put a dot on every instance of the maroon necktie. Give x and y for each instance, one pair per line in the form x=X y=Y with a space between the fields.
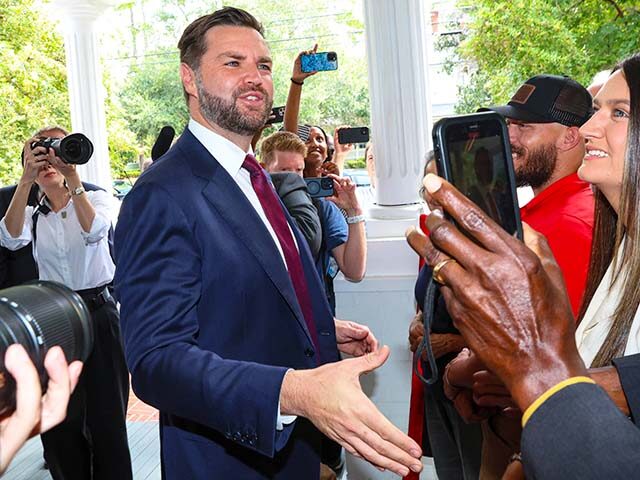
x=273 y=210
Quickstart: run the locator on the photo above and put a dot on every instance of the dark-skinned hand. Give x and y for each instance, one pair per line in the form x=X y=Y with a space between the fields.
x=506 y=298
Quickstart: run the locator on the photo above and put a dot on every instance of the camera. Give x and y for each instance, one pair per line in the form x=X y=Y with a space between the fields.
x=319 y=186
x=75 y=148
x=40 y=315
x=332 y=56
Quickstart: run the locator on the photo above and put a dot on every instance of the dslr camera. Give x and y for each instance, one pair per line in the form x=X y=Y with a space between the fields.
x=75 y=148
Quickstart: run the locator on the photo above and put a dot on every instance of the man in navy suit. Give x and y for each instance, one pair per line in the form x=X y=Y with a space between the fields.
x=227 y=331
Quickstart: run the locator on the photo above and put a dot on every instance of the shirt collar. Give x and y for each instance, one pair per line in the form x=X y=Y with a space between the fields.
x=564 y=186
x=227 y=153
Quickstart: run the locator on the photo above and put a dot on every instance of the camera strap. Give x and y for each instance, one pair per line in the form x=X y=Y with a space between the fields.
x=41 y=208
x=428 y=312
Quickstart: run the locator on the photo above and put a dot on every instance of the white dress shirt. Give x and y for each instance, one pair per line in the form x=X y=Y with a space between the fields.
x=598 y=318
x=64 y=252
x=231 y=157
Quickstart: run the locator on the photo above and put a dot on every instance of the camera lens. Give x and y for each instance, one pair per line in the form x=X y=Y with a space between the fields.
x=75 y=148
x=326 y=183
x=38 y=316
x=332 y=56
x=313 y=186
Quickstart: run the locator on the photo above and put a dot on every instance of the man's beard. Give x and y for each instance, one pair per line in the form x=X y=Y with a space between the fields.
x=537 y=167
x=227 y=115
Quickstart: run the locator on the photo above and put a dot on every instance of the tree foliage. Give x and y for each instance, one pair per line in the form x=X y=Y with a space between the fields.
x=507 y=41
x=33 y=90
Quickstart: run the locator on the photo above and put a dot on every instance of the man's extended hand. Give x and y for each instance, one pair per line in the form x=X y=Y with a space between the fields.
x=510 y=310
x=354 y=339
x=330 y=396
x=34 y=412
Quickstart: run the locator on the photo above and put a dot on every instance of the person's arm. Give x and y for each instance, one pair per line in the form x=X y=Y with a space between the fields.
x=81 y=203
x=292 y=190
x=341 y=151
x=608 y=379
x=351 y=256
x=292 y=108
x=34 y=160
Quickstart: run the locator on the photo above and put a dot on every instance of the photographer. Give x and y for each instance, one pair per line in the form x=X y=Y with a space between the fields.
x=68 y=231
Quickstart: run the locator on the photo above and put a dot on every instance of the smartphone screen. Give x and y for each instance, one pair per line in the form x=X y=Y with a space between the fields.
x=473 y=153
x=319 y=62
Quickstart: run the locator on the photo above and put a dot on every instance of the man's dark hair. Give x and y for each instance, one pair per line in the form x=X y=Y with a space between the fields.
x=193 y=43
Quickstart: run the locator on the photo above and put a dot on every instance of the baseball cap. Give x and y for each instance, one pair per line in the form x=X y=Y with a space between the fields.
x=548 y=99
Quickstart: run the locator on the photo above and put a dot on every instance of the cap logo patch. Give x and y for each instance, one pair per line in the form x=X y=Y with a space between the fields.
x=523 y=94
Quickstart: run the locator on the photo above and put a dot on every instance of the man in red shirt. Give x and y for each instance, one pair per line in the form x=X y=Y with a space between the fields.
x=543 y=117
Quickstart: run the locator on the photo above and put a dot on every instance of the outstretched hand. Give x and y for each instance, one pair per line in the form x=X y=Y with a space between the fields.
x=331 y=397
x=35 y=413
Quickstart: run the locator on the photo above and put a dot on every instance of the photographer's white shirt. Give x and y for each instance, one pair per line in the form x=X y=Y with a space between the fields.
x=64 y=252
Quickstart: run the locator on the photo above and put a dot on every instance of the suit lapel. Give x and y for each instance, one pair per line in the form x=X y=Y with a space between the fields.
x=222 y=192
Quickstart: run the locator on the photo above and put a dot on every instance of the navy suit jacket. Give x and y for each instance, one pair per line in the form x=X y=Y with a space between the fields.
x=580 y=433
x=211 y=322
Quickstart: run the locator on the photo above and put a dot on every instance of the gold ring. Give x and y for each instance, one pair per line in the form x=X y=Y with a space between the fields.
x=438 y=268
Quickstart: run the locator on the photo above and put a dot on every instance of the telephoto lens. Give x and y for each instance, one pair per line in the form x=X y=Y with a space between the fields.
x=40 y=315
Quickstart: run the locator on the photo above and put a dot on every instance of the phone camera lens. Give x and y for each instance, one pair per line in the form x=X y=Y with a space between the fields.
x=326 y=183
x=332 y=56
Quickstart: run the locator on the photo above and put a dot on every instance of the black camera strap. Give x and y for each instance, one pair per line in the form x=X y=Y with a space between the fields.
x=428 y=312
x=41 y=208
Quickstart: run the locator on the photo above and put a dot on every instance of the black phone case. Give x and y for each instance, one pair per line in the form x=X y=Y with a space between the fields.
x=279 y=116
x=353 y=135
x=442 y=154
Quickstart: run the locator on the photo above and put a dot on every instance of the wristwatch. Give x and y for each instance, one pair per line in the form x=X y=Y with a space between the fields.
x=78 y=191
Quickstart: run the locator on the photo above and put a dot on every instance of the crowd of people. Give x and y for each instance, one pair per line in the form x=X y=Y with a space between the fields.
x=235 y=339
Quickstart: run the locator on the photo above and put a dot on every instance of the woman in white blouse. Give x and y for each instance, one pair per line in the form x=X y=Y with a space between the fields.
x=69 y=234
x=610 y=322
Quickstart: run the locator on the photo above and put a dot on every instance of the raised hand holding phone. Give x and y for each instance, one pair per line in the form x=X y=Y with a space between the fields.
x=298 y=75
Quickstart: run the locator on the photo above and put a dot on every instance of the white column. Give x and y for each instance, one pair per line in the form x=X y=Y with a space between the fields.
x=84 y=78
x=396 y=33
x=397 y=47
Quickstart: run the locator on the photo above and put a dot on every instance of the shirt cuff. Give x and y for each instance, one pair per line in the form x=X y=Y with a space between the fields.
x=14 y=243
x=549 y=393
x=99 y=229
x=283 y=420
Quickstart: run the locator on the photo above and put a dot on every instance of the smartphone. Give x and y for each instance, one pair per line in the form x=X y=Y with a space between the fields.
x=319 y=186
x=319 y=62
x=353 y=135
x=277 y=116
x=474 y=154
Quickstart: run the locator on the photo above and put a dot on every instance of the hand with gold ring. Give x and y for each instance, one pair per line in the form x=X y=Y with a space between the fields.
x=511 y=309
x=437 y=270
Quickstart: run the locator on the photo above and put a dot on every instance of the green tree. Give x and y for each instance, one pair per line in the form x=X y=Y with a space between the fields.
x=33 y=90
x=505 y=42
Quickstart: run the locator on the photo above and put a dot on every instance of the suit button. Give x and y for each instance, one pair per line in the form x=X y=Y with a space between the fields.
x=309 y=352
